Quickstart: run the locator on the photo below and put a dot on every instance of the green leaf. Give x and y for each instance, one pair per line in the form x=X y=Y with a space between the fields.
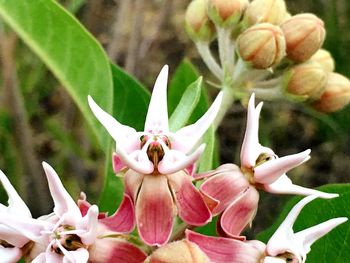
x=206 y=162
x=334 y=247
x=186 y=106
x=71 y=53
x=130 y=105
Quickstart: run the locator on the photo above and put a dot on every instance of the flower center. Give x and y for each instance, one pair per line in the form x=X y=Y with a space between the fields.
x=249 y=172
x=155 y=148
x=289 y=257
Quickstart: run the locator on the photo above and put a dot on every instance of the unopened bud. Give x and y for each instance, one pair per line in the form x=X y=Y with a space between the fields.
x=262 y=45
x=179 y=252
x=304 y=35
x=197 y=23
x=307 y=79
x=226 y=12
x=325 y=59
x=336 y=94
x=265 y=11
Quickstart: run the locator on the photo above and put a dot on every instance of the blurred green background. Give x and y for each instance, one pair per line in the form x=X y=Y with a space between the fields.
x=40 y=122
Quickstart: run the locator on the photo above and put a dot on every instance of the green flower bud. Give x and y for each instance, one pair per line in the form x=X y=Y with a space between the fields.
x=325 y=59
x=265 y=11
x=226 y=12
x=197 y=23
x=304 y=35
x=335 y=96
x=262 y=45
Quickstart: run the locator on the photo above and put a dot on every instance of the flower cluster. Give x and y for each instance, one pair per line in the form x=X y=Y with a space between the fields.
x=264 y=49
x=158 y=167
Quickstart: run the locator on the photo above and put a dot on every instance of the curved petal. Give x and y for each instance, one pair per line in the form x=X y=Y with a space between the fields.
x=225 y=186
x=187 y=137
x=154 y=210
x=174 y=161
x=81 y=255
x=89 y=223
x=114 y=128
x=226 y=250
x=132 y=182
x=240 y=213
x=274 y=260
x=191 y=206
x=270 y=171
x=64 y=204
x=284 y=185
x=117 y=163
x=12 y=236
x=123 y=220
x=10 y=254
x=84 y=206
x=157 y=114
x=137 y=161
x=40 y=258
x=15 y=203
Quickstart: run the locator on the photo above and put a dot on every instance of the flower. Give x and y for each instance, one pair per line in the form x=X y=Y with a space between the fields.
x=11 y=241
x=285 y=244
x=157 y=179
x=234 y=188
x=70 y=235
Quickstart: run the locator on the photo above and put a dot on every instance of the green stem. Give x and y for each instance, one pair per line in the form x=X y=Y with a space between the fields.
x=213 y=66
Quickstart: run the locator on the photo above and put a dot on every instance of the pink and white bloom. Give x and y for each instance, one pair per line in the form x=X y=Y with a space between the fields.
x=68 y=235
x=158 y=162
x=12 y=241
x=234 y=188
x=287 y=246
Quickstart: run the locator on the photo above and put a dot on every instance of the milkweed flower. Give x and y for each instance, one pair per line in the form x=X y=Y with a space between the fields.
x=235 y=188
x=157 y=161
x=71 y=234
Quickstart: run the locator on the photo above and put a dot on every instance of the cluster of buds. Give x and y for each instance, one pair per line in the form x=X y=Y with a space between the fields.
x=264 y=49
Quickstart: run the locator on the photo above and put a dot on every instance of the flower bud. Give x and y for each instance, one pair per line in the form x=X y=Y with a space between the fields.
x=325 y=59
x=197 y=23
x=304 y=35
x=179 y=252
x=336 y=94
x=226 y=12
x=307 y=79
x=262 y=45
x=265 y=11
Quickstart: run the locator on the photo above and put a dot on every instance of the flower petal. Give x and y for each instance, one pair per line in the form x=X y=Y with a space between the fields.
x=15 y=203
x=226 y=250
x=284 y=185
x=157 y=114
x=274 y=260
x=191 y=206
x=270 y=171
x=154 y=210
x=64 y=204
x=240 y=213
x=114 y=128
x=81 y=255
x=187 y=137
x=137 y=161
x=133 y=181
x=123 y=220
x=12 y=236
x=10 y=254
x=89 y=223
x=117 y=163
x=174 y=161
x=225 y=185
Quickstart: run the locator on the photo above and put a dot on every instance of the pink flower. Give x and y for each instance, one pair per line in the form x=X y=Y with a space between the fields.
x=157 y=179
x=285 y=244
x=234 y=188
x=68 y=235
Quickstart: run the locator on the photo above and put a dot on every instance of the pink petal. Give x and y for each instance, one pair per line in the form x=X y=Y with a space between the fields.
x=123 y=220
x=15 y=203
x=12 y=236
x=84 y=206
x=64 y=204
x=284 y=185
x=240 y=213
x=154 y=210
x=225 y=185
x=187 y=137
x=270 y=171
x=10 y=255
x=114 y=128
x=191 y=206
x=157 y=115
x=174 y=161
x=133 y=181
x=118 y=164
x=226 y=250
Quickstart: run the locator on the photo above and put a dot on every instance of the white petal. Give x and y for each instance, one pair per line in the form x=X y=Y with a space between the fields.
x=80 y=255
x=187 y=137
x=16 y=204
x=114 y=128
x=137 y=161
x=10 y=254
x=157 y=115
x=284 y=185
x=273 y=260
x=174 y=161
x=64 y=204
x=89 y=223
